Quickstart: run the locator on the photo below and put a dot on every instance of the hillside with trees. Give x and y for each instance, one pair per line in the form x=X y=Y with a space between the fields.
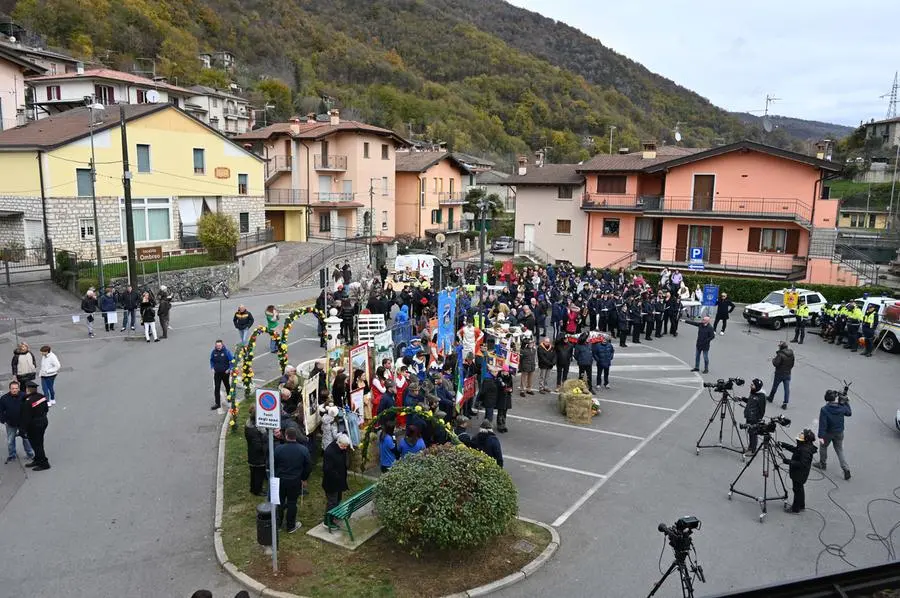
x=481 y=75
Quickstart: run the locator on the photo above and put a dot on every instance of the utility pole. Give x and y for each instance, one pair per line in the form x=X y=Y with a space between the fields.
x=893 y=186
x=91 y=108
x=611 y=129
x=371 y=219
x=483 y=279
x=129 y=217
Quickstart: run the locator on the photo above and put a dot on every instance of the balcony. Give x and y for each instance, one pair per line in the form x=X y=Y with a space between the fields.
x=279 y=164
x=454 y=198
x=333 y=197
x=777 y=264
x=287 y=197
x=335 y=163
x=233 y=112
x=458 y=226
x=766 y=208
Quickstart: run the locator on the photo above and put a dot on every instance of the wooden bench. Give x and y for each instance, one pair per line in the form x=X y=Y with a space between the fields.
x=343 y=511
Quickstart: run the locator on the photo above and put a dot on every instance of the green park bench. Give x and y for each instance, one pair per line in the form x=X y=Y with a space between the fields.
x=343 y=511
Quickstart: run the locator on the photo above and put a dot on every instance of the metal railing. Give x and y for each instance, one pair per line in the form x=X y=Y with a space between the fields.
x=321 y=258
x=764 y=263
x=857 y=262
x=16 y=262
x=278 y=164
x=262 y=236
x=287 y=197
x=330 y=196
x=646 y=250
x=529 y=248
x=448 y=227
x=330 y=162
x=748 y=207
x=231 y=111
x=451 y=198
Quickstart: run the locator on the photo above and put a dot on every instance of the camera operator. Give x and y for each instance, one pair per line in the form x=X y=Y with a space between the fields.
x=800 y=462
x=831 y=428
x=754 y=411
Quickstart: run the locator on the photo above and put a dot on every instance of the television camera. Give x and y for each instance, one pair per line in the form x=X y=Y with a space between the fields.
x=679 y=536
x=840 y=395
x=767 y=425
x=721 y=385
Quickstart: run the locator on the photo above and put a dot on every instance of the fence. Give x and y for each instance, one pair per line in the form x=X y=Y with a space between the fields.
x=117 y=267
x=262 y=236
x=334 y=249
x=23 y=264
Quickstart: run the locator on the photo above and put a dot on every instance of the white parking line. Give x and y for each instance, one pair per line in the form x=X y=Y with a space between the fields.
x=624 y=354
x=551 y=466
x=635 y=404
x=583 y=429
x=662 y=381
x=599 y=484
x=645 y=368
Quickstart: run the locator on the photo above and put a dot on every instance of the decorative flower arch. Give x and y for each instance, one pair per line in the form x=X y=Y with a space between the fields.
x=417 y=410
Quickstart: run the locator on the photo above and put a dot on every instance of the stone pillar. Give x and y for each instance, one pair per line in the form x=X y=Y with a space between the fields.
x=332 y=329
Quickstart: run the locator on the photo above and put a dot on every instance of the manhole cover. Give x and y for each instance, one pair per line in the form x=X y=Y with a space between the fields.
x=28 y=333
x=523 y=546
x=203 y=429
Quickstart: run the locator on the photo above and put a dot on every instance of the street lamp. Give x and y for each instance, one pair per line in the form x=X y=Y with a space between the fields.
x=92 y=106
x=612 y=128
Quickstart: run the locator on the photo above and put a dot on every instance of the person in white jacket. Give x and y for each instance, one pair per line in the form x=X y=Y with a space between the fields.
x=698 y=310
x=48 y=372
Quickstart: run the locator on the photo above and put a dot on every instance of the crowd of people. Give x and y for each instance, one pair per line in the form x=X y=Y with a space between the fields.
x=149 y=307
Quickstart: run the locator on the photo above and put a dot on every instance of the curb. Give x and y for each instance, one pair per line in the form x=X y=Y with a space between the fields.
x=261 y=590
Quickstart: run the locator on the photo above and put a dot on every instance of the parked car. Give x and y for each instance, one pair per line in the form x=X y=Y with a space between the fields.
x=503 y=245
x=771 y=311
x=888 y=332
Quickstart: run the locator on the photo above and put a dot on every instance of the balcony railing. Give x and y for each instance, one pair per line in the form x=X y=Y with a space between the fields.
x=278 y=164
x=448 y=227
x=763 y=263
x=333 y=196
x=330 y=162
x=454 y=198
x=232 y=111
x=743 y=207
x=287 y=197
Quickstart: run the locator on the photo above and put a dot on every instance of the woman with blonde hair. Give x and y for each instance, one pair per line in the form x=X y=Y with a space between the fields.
x=24 y=366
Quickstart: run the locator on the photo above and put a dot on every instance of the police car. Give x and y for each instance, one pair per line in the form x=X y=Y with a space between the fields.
x=771 y=311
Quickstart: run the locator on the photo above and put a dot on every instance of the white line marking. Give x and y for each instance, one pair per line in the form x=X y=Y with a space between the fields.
x=635 y=404
x=583 y=429
x=645 y=368
x=623 y=354
x=559 y=467
x=662 y=381
x=599 y=484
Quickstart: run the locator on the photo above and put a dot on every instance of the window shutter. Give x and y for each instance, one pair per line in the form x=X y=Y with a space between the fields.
x=112 y=95
x=49 y=92
x=753 y=242
x=681 y=242
x=715 y=245
x=792 y=245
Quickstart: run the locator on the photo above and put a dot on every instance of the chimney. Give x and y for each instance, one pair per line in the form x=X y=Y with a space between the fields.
x=624 y=150
x=335 y=117
x=295 y=126
x=79 y=68
x=311 y=118
x=523 y=165
x=649 y=150
x=539 y=158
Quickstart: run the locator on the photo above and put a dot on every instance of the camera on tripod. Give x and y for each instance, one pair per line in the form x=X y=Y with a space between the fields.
x=721 y=385
x=767 y=427
x=679 y=536
x=684 y=526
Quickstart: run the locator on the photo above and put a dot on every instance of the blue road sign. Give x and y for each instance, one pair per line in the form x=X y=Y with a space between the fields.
x=696 y=254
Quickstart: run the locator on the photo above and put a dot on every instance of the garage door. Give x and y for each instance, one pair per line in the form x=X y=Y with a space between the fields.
x=34 y=233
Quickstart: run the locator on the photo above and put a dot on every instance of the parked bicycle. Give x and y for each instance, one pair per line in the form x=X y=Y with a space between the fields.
x=183 y=292
x=208 y=291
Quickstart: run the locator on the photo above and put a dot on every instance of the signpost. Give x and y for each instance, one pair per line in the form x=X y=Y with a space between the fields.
x=696 y=258
x=149 y=254
x=268 y=415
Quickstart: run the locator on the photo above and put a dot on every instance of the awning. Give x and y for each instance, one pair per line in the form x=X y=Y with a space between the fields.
x=11 y=213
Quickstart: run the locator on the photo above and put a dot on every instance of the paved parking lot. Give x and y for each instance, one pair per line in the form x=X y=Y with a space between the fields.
x=558 y=466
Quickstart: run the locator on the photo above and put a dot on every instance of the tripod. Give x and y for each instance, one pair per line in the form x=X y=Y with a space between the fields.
x=686 y=566
x=723 y=406
x=771 y=460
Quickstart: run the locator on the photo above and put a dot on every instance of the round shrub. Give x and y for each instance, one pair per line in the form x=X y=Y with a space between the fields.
x=446 y=497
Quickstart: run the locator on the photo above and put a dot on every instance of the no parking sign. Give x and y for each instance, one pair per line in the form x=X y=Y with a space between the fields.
x=268 y=409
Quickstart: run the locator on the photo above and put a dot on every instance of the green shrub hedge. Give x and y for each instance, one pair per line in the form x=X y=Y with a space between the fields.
x=446 y=497
x=752 y=290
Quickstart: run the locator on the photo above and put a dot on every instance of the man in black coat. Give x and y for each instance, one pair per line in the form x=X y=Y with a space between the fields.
x=11 y=417
x=623 y=324
x=724 y=307
x=257 y=452
x=292 y=466
x=489 y=393
x=705 y=335
x=34 y=422
x=334 y=471
x=754 y=411
x=488 y=443
x=800 y=462
x=636 y=316
x=131 y=300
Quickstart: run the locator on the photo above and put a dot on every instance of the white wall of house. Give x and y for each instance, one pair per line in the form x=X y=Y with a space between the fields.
x=540 y=213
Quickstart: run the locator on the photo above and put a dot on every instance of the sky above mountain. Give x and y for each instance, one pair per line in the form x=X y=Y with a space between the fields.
x=827 y=60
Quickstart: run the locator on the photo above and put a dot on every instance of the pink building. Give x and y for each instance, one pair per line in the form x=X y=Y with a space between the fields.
x=13 y=71
x=752 y=209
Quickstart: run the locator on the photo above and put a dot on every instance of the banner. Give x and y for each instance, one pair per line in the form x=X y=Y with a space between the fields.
x=311 y=404
x=384 y=347
x=710 y=295
x=421 y=263
x=446 y=320
x=357 y=401
x=359 y=360
x=337 y=358
x=513 y=363
x=468 y=391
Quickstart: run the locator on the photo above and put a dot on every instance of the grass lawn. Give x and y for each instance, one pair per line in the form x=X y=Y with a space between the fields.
x=167 y=264
x=310 y=567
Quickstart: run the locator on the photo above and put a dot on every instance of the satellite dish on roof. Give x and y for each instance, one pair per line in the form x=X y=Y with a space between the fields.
x=767 y=124
x=152 y=96
x=677 y=136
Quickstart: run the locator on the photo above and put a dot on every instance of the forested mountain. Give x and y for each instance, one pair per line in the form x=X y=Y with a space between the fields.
x=482 y=75
x=797 y=128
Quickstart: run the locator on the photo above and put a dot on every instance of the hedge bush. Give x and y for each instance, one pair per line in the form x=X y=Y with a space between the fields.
x=446 y=497
x=752 y=290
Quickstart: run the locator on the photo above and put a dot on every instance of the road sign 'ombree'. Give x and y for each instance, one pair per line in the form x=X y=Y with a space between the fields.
x=268 y=409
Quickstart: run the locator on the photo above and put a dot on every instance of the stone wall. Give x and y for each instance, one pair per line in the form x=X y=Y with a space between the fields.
x=12 y=228
x=254 y=205
x=193 y=277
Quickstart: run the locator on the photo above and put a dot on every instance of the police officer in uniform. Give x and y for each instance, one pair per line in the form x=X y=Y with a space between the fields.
x=637 y=319
x=854 y=322
x=34 y=422
x=869 y=323
x=647 y=313
x=802 y=315
x=623 y=323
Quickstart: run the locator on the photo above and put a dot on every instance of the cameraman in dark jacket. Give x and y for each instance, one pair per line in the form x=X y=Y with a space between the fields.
x=754 y=411
x=784 y=363
x=800 y=462
x=831 y=428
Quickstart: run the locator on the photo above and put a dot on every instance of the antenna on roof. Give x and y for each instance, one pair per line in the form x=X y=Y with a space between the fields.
x=677 y=132
x=768 y=127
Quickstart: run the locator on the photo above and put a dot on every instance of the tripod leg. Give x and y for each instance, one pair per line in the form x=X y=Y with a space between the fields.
x=708 y=424
x=736 y=428
x=687 y=585
x=662 y=579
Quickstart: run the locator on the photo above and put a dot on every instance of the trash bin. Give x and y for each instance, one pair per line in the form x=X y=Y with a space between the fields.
x=264 y=523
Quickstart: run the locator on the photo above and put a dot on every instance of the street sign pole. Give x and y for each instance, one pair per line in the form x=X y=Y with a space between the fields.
x=272 y=506
x=268 y=409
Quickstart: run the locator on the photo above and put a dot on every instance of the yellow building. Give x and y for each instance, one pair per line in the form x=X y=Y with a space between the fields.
x=860 y=218
x=179 y=168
